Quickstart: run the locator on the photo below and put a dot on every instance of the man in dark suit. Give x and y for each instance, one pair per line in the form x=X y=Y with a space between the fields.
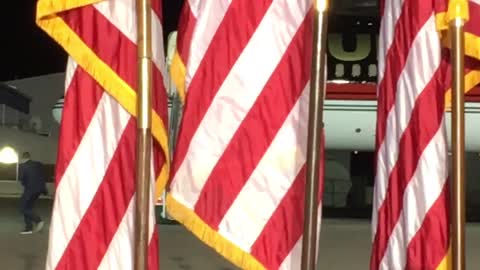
x=32 y=177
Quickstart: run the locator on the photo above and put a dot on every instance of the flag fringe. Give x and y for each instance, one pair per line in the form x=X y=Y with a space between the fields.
x=111 y=82
x=472 y=79
x=49 y=8
x=472 y=49
x=446 y=263
x=211 y=237
x=178 y=74
x=472 y=42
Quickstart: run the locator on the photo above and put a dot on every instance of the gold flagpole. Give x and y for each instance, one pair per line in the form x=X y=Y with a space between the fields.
x=315 y=133
x=144 y=144
x=458 y=15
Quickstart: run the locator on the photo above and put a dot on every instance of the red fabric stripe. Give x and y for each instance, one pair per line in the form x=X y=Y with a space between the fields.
x=153 y=251
x=159 y=96
x=160 y=106
x=224 y=50
x=435 y=229
x=440 y=6
x=80 y=104
x=101 y=220
x=474 y=21
x=470 y=65
x=282 y=232
x=381 y=7
x=116 y=191
x=157 y=9
x=116 y=51
x=424 y=123
x=413 y=17
x=186 y=25
x=253 y=137
x=158 y=159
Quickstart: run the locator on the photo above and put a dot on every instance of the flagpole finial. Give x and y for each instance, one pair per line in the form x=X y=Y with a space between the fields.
x=457 y=9
x=321 y=5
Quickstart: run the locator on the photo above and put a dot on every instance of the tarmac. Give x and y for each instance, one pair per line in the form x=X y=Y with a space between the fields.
x=344 y=244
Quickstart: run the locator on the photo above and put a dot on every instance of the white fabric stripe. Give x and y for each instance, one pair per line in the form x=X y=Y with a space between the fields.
x=294 y=258
x=271 y=179
x=392 y=11
x=236 y=96
x=122 y=14
x=119 y=254
x=69 y=73
x=195 y=6
x=421 y=193
x=105 y=129
x=158 y=54
x=399 y=116
x=209 y=15
x=475 y=1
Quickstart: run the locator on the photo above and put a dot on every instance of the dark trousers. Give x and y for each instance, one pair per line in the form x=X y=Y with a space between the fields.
x=26 y=207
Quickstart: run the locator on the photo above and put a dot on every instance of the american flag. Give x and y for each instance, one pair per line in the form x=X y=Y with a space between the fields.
x=472 y=42
x=92 y=222
x=410 y=222
x=240 y=161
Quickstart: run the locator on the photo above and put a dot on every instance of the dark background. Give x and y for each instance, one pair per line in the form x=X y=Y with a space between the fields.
x=26 y=51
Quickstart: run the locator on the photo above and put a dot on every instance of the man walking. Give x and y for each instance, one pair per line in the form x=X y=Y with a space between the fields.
x=32 y=177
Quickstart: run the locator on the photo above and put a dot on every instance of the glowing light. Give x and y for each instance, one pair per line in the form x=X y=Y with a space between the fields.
x=8 y=155
x=322 y=5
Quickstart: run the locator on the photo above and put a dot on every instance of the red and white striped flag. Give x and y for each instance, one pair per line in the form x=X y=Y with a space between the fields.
x=472 y=42
x=410 y=223
x=93 y=215
x=240 y=160
x=410 y=208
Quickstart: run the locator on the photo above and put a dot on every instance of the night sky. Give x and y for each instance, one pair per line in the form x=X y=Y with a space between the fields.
x=26 y=51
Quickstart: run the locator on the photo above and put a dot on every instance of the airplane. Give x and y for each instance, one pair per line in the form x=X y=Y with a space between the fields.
x=350 y=117
x=350 y=105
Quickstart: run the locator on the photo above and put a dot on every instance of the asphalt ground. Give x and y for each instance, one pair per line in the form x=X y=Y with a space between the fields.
x=344 y=244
